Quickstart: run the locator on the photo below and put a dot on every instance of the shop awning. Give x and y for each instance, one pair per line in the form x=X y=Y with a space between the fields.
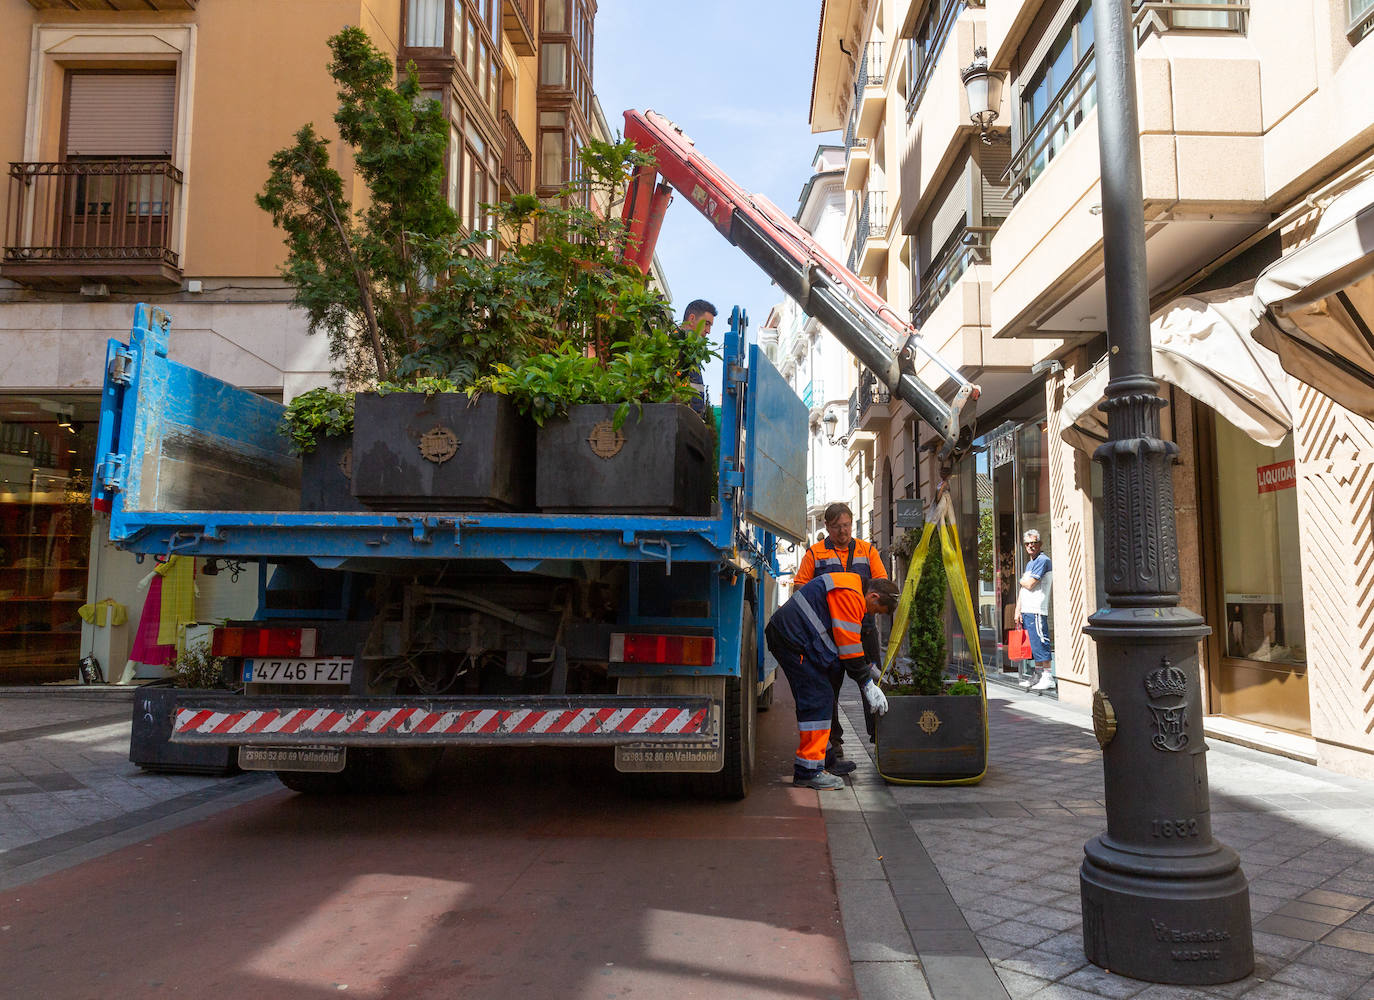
x=1202 y=344
x=1321 y=300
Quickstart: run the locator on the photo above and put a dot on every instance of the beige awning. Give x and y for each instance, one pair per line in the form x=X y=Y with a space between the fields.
x=1321 y=300
x=1202 y=344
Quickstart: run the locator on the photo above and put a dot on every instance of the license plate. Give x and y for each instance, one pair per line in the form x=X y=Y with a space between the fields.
x=330 y=760
x=309 y=671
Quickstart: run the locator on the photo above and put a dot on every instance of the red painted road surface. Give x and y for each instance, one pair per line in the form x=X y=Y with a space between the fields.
x=524 y=875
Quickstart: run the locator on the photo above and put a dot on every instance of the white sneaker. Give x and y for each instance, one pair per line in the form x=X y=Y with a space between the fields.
x=1025 y=682
x=1045 y=682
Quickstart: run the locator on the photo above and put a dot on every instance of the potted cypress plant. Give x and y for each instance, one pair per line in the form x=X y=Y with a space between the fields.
x=935 y=729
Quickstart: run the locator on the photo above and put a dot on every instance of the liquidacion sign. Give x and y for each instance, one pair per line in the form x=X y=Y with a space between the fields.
x=1278 y=476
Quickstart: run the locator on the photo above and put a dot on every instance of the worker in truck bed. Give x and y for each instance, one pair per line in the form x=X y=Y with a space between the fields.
x=838 y=551
x=697 y=318
x=815 y=639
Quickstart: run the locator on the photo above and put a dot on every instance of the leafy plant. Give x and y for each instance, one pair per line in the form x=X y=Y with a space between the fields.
x=321 y=412
x=195 y=667
x=362 y=274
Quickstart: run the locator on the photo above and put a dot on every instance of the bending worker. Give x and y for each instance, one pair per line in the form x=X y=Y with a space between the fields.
x=815 y=639
x=840 y=552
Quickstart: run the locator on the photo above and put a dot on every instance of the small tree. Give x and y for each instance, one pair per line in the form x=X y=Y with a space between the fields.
x=926 y=630
x=362 y=275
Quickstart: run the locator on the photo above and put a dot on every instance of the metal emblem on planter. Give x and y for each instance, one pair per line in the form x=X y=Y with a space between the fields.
x=438 y=444
x=929 y=722
x=346 y=463
x=1104 y=719
x=1166 y=684
x=605 y=440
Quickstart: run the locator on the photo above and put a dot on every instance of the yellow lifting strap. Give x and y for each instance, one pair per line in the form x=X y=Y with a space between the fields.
x=953 y=557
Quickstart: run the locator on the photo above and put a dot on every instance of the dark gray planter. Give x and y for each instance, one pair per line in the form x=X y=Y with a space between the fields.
x=327 y=476
x=442 y=452
x=932 y=738
x=656 y=463
x=150 y=745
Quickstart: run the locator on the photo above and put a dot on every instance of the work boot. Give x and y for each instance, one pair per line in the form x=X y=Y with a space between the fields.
x=836 y=750
x=839 y=766
x=819 y=780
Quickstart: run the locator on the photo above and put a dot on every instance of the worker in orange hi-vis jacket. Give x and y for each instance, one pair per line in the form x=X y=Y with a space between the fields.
x=838 y=551
x=815 y=639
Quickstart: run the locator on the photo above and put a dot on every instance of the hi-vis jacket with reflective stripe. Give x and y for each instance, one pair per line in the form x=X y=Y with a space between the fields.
x=862 y=559
x=822 y=621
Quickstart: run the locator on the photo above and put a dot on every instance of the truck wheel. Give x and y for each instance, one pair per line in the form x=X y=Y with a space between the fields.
x=314 y=782
x=739 y=730
x=766 y=696
x=393 y=769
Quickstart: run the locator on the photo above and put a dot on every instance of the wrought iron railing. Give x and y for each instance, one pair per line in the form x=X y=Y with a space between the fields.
x=515 y=156
x=92 y=210
x=870 y=70
x=870 y=391
x=875 y=211
x=973 y=246
x=524 y=11
x=1061 y=119
x=947 y=14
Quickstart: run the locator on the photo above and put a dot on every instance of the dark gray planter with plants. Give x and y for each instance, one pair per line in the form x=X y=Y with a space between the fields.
x=932 y=738
x=327 y=476
x=656 y=462
x=442 y=451
x=935 y=728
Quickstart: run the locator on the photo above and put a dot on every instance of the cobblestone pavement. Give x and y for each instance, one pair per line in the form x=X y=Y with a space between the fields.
x=976 y=894
x=68 y=791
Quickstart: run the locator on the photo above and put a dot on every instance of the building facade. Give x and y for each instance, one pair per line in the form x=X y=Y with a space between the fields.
x=137 y=135
x=1255 y=140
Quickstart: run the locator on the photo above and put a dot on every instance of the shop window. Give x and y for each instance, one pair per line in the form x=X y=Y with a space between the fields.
x=47 y=444
x=1261 y=565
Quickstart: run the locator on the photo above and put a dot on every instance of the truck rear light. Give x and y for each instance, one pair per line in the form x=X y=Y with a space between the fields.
x=233 y=640
x=687 y=650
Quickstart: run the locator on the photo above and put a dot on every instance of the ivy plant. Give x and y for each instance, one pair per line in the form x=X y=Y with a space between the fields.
x=321 y=412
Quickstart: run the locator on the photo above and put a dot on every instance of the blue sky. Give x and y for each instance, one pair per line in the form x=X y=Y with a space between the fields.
x=736 y=76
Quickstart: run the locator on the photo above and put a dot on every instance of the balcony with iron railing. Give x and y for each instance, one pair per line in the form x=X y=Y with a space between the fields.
x=515 y=158
x=869 y=92
x=75 y=222
x=856 y=158
x=870 y=234
x=1189 y=15
x=971 y=245
x=518 y=21
x=106 y=7
x=873 y=398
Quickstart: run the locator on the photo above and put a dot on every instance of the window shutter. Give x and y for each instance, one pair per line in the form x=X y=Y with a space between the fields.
x=992 y=163
x=121 y=114
x=947 y=211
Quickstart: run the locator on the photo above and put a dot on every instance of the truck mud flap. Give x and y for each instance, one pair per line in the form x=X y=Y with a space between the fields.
x=704 y=752
x=586 y=720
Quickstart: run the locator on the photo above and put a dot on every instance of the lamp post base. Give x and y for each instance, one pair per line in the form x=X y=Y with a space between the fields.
x=1166 y=918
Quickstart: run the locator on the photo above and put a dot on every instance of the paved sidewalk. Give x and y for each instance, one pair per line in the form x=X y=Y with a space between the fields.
x=68 y=792
x=972 y=892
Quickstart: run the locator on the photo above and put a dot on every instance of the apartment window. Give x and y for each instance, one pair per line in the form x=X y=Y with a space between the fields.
x=425 y=23
x=1057 y=94
x=552 y=136
x=556 y=16
x=1361 y=18
x=553 y=64
x=925 y=46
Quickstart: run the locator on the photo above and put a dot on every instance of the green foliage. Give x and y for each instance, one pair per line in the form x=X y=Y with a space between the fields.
x=194 y=667
x=985 y=540
x=362 y=275
x=318 y=413
x=964 y=686
x=926 y=627
x=428 y=384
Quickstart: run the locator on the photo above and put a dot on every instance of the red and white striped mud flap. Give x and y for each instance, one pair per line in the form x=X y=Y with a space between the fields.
x=545 y=720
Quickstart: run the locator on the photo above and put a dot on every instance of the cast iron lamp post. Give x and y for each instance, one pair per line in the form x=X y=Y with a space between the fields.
x=1162 y=900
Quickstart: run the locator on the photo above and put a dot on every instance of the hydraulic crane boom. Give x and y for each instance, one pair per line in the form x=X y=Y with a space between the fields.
x=862 y=321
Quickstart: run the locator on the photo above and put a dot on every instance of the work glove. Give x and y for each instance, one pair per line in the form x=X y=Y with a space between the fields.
x=877 y=701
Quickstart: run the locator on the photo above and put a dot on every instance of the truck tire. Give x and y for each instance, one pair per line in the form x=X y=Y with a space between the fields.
x=766 y=695
x=739 y=729
x=392 y=770
x=314 y=782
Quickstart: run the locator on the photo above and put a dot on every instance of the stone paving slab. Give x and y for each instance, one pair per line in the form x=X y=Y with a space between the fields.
x=1007 y=851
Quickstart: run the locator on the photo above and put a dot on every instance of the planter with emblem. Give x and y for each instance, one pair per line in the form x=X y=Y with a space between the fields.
x=932 y=739
x=327 y=475
x=656 y=462
x=442 y=451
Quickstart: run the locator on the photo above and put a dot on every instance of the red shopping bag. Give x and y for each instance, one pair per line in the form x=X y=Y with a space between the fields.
x=1018 y=644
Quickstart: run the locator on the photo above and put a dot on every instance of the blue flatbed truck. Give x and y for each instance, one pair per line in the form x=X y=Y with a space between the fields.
x=381 y=638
